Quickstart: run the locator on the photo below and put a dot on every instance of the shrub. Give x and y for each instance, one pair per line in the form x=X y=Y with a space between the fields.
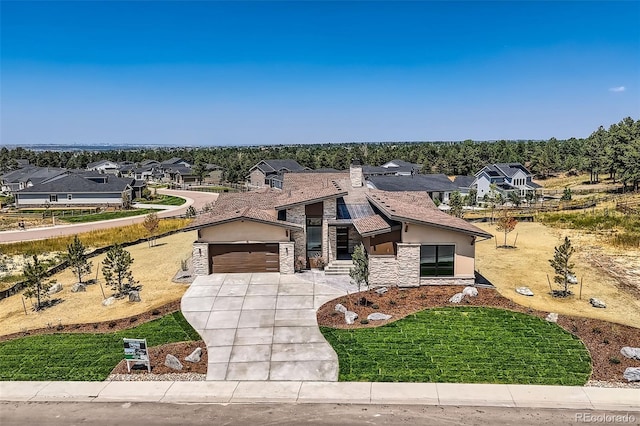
x=155 y=312
x=614 y=360
x=112 y=324
x=364 y=321
x=375 y=306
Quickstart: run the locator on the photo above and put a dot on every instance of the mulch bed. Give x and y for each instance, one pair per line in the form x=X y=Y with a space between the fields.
x=603 y=339
x=157 y=354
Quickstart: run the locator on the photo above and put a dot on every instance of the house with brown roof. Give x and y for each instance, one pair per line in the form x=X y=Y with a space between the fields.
x=409 y=241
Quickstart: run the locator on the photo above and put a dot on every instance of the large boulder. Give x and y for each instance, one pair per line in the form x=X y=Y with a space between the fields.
x=56 y=288
x=78 y=287
x=134 y=296
x=572 y=279
x=525 y=291
x=172 y=362
x=340 y=308
x=470 y=291
x=597 y=303
x=350 y=317
x=109 y=301
x=552 y=317
x=632 y=374
x=378 y=316
x=629 y=352
x=457 y=298
x=194 y=356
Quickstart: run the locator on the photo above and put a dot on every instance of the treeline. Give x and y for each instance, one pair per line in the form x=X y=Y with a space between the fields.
x=615 y=150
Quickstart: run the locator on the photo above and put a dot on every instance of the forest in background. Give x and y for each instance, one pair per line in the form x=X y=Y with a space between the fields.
x=614 y=150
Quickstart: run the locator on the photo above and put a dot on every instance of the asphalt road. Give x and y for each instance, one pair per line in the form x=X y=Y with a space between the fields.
x=152 y=414
x=195 y=198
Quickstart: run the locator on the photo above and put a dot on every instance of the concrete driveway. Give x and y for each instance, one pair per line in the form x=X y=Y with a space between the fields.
x=261 y=326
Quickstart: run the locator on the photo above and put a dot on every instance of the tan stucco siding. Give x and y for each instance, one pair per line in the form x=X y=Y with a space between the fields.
x=243 y=232
x=465 y=251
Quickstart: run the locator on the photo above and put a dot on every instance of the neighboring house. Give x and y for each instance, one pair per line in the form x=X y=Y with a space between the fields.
x=150 y=163
x=463 y=184
x=145 y=173
x=408 y=240
x=402 y=168
x=181 y=175
x=507 y=177
x=27 y=176
x=74 y=189
x=214 y=174
x=104 y=166
x=264 y=174
x=438 y=186
x=174 y=162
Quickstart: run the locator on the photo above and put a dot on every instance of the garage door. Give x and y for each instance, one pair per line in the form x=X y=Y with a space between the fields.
x=229 y=258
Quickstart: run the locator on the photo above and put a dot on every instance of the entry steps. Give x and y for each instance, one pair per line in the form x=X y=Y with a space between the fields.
x=338 y=267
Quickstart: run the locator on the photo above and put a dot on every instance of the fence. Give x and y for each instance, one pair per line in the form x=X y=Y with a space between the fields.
x=628 y=207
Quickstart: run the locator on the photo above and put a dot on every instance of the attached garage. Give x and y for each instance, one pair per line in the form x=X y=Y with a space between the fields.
x=231 y=258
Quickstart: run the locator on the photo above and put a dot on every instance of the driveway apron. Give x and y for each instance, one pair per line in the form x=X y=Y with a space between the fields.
x=261 y=326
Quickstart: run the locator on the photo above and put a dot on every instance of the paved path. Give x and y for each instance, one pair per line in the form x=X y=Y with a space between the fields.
x=261 y=326
x=476 y=395
x=197 y=199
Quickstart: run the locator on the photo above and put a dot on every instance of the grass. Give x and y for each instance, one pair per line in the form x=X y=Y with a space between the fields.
x=168 y=200
x=79 y=356
x=462 y=345
x=97 y=238
x=107 y=215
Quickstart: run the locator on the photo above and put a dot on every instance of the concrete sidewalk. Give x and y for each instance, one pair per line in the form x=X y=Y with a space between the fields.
x=487 y=395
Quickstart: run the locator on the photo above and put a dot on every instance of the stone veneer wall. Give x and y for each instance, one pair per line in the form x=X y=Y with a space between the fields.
x=355 y=174
x=287 y=258
x=383 y=271
x=408 y=259
x=332 y=244
x=328 y=212
x=354 y=239
x=200 y=258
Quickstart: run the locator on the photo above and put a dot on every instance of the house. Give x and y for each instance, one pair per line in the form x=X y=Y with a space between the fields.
x=174 y=162
x=150 y=163
x=507 y=178
x=104 y=166
x=463 y=184
x=215 y=174
x=392 y=168
x=74 y=189
x=264 y=174
x=438 y=186
x=181 y=175
x=408 y=240
x=27 y=176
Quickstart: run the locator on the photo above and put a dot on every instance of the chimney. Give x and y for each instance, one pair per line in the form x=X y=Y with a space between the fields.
x=355 y=173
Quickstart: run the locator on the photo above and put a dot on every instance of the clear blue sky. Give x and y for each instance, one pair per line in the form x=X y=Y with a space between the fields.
x=216 y=73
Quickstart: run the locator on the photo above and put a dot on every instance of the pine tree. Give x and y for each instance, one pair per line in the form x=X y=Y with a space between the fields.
x=35 y=274
x=456 y=204
x=77 y=258
x=360 y=271
x=561 y=264
x=116 y=270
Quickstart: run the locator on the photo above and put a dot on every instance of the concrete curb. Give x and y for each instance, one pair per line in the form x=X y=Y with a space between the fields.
x=488 y=395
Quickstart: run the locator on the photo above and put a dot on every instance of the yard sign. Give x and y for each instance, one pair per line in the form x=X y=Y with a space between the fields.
x=135 y=351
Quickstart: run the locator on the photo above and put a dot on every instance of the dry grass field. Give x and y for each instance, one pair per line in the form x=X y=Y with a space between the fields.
x=153 y=267
x=609 y=274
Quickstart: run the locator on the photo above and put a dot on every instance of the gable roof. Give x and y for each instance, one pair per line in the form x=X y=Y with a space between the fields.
x=401 y=164
x=429 y=183
x=99 y=163
x=463 y=181
x=149 y=163
x=501 y=170
x=74 y=183
x=417 y=207
x=247 y=213
x=371 y=225
x=172 y=161
x=33 y=173
x=270 y=166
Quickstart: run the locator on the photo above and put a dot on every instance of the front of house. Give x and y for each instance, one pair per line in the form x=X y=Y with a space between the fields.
x=409 y=242
x=505 y=178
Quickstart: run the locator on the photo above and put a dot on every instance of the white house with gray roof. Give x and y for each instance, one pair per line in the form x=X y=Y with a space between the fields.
x=507 y=177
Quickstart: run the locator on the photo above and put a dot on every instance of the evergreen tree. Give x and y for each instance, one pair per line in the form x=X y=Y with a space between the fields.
x=360 y=272
x=561 y=264
x=116 y=268
x=456 y=204
x=35 y=274
x=77 y=258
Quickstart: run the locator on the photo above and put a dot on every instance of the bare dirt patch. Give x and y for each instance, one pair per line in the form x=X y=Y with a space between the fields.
x=153 y=267
x=528 y=265
x=603 y=339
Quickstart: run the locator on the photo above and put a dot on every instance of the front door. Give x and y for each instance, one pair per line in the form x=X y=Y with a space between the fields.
x=342 y=243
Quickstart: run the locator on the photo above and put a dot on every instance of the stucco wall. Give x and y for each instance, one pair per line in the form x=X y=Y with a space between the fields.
x=383 y=271
x=465 y=251
x=243 y=231
x=200 y=258
x=287 y=257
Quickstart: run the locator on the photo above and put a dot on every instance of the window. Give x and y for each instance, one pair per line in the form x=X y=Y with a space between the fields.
x=53 y=198
x=282 y=215
x=69 y=197
x=314 y=235
x=437 y=261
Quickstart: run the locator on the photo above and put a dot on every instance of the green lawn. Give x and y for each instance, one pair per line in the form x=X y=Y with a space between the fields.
x=462 y=345
x=166 y=200
x=72 y=356
x=107 y=215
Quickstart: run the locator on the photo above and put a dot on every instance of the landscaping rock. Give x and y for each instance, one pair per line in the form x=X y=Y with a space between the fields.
x=78 y=287
x=194 y=356
x=470 y=291
x=134 y=296
x=108 y=302
x=457 y=298
x=350 y=317
x=525 y=291
x=56 y=288
x=382 y=290
x=340 y=308
x=378 y=316
x=632 y=374
x=572 y=279
x=629 y=352
x=597 y=303
x=172 y=362
x=552 y=317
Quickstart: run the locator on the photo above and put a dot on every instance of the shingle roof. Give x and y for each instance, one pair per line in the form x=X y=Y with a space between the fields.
x=504 y=169
x=32 y=172
x=371 y=225
x=97 y=163
x=74 y=183
x=417 y=207
x=463 y=181
x=245 y=213
x=172 y=160
x=270 y=166
x=429 y=183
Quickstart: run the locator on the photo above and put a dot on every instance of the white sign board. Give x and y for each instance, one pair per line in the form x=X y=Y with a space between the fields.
x=135 y=351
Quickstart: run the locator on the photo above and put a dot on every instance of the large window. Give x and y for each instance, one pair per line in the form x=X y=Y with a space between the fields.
x=437 y=261
x=314 y=235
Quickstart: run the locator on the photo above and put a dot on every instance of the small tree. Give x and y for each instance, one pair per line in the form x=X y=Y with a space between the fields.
x=116 y=270
x=35 y=274
x=506 y=223
x=191 y=212
x=566 y=194
x=126 y=200
x=561 y=264
x=360 y=272
x=77 y=258
x=456 y=204
x=472 y=199
x=151 y=224
x=514 y=198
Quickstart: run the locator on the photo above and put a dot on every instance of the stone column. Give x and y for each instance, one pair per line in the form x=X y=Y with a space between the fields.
x=200 y=258
x=287 y=257
x=328 y=213
x=408 y=258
